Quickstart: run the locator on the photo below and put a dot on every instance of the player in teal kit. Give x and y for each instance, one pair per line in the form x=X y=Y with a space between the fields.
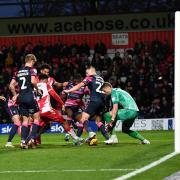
x=127 y=114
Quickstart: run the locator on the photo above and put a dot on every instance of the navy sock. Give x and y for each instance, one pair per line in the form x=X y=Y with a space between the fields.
x=24 y=133
x=12 y=132
x=79 y=131
x=42 y=129
x=103 y=131
x=28 y=136
x=86 y=126
x=35 y=130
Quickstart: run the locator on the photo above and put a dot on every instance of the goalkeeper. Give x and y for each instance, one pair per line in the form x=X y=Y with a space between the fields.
x=127 y=115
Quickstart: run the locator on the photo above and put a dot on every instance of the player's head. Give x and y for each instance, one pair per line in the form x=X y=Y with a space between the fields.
x=30 y=59
x=106 y=88
x=77 y=78
x=44 y=69
x=90 y=70
x=43 y=78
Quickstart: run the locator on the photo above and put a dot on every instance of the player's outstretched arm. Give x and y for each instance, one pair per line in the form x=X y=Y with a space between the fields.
x=75 y=88
x=12 y=87
x=114 y=111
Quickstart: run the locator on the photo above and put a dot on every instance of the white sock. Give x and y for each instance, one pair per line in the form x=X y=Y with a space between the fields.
x=73 y=134
x=91 y=134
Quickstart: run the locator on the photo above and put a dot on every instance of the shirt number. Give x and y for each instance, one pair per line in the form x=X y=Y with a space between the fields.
x=23 y=79
x=99 y=87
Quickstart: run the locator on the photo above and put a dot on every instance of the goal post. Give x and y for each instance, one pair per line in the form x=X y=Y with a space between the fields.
x=177 y=82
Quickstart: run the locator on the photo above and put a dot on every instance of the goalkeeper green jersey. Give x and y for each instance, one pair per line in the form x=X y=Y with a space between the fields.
x=123 y=98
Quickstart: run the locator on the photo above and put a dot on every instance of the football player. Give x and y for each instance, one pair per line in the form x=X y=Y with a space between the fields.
x=127 y=114
x=48 y=113
x=13 y=110
x=96 y=104
x=74 y=104
x=26 y=79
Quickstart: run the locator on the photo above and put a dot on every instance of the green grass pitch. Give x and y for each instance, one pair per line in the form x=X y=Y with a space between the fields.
x=61 y=160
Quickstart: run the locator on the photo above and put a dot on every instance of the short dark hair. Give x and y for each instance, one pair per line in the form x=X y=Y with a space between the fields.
x=43 y=76
x=106 y=84
x=45 y=66
x=90 y=66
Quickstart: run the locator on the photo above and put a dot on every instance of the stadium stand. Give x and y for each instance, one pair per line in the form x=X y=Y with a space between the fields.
x=145 y=70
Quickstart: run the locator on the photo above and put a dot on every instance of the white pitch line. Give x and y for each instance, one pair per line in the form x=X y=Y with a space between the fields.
x=28 y=171
x=78 y=170
x=118 y=169
x=147 y=167
x=63 y=170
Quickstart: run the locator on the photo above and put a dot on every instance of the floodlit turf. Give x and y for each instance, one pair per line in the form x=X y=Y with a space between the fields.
x=59 y=159
x=163 y=170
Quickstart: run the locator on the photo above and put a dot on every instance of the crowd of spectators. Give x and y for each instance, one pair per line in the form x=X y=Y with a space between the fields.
x=146 y=70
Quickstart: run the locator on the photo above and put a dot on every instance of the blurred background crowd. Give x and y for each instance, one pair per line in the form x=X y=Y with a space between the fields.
x=145 y=70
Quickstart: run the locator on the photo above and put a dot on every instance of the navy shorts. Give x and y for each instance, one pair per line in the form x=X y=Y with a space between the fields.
x=27 y=106
x=94 y=108
x=13 y=110
x=75 y=109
